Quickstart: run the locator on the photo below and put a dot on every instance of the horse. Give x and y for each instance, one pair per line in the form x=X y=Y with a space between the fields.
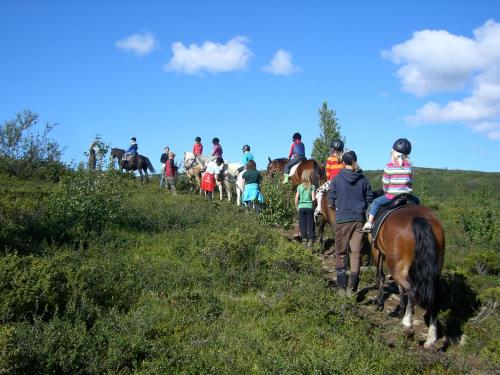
x=138 y=163
x=327 y=217
x=318 y=175
x=411 y=242
x=226 y=177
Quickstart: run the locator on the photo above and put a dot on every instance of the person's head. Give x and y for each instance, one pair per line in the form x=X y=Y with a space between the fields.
x=251 y=165
x=337 y=146
x=215 y=141
x=245 y=148
x=171 y=155
x=166 y=149
x=296 y=137
x=400 y=150
x=197 y=139
x=219 y=161
x=350 y=160
x=133 y=140
x=306 y=178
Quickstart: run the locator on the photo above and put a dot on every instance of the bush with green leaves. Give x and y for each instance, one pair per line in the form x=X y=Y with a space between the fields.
x=84 y=203
x=279 y=208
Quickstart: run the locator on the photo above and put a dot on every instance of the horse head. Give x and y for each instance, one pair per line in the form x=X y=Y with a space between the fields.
x=275 y=166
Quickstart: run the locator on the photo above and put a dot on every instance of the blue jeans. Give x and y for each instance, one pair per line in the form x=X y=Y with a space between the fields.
x=380 y=201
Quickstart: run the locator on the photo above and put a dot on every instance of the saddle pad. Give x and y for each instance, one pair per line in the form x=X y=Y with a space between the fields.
x=379 y=219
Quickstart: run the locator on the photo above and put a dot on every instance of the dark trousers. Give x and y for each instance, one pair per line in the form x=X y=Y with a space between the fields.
x=306 y=223
x=290 y=164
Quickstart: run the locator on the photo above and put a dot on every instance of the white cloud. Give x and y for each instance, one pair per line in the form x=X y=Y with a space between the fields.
x=211 y=57
x=281 y=64
x=139 y=44
x=438 y=61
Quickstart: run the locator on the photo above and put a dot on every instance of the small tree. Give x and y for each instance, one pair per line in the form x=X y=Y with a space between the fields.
x=97 y=152
x=18 y=141
x=330 y=129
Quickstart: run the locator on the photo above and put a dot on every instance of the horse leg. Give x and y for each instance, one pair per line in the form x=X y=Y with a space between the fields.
x=219 y=186
x=147 y=177
x=380 y=281
x=227 y=185
x=432 y=333
x=408 y=318
x=401 y=305
x=321 y=230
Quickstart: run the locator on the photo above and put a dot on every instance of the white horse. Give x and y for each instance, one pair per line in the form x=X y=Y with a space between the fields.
x=194 y=167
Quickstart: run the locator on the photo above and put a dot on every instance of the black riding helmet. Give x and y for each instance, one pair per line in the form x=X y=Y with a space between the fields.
x=403 y=146
x=133 y=139
x=296 y=136
x=197 y=139
x=215 y=140
x=337 y=145
x=219 y=161
x=246 y=148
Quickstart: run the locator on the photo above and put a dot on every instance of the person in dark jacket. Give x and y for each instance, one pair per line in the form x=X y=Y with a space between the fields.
x=350 y=193
x=163 y=160
x=296 y=154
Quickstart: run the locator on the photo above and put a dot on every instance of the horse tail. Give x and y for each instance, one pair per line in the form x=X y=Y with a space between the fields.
x=424 y=271
x=316 y=175
x=149 y=165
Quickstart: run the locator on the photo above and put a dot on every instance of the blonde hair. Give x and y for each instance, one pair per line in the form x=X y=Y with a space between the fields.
x=306 y=179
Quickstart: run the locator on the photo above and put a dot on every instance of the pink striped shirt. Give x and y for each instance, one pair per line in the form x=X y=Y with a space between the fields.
x=397 y=179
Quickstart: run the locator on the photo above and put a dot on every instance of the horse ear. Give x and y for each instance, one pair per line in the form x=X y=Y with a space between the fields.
x=268 y=158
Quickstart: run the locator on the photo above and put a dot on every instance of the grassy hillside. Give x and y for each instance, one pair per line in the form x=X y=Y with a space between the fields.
x=100 y=273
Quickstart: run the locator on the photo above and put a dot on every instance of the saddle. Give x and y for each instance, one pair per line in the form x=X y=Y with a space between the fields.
x=384 y=211
x=294 y=168
x=128 y=157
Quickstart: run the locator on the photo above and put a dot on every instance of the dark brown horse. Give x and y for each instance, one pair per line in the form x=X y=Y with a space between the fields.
x=411 y=241
x=327 y=217
x=138 y=163
x=318 y=175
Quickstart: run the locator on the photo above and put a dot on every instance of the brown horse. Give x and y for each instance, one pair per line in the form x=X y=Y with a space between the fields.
x=138 y=163
x=317 y=171
x=411 y=241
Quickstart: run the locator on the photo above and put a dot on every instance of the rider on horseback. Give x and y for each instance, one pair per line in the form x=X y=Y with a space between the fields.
x=333 y=167
x=197 y=151
x=296 y=155
x=397 y=179
x=131 y=150
x=216 y=151
x=247 y=156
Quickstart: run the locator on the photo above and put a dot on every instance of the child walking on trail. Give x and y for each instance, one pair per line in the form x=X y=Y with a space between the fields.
x=304 y=202
x=350 y=193
x=197 y=150
x=397 y=179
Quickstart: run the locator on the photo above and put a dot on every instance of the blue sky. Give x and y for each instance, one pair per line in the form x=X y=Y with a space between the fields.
x=256 y=72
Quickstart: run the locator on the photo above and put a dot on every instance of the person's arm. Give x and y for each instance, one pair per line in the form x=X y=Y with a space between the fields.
x=297 y=199
x=313 y=193
x=290 y=153
x=332 y=194
x=386 y=180
x=201 y=149
x=368 y=192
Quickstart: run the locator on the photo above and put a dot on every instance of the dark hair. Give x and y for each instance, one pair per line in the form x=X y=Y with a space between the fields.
x=215 y=140
x=296 y=136
x=251 y=165
x=349 y=157
x=197 y=139
x=219 y=160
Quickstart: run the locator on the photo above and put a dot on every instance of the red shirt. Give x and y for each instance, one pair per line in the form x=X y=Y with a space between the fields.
x=170 y=168
x=333 y=167
x=198 y=149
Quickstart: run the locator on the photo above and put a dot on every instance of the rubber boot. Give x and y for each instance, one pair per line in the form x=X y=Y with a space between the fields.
x=352 y=286
x=286 y=176
x=341 y=279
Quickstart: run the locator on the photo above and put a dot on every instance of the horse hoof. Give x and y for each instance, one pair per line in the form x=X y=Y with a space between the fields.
x=429 y=344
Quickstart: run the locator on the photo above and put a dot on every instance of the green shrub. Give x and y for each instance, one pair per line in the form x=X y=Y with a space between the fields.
x=86 y=202
x=279 y=198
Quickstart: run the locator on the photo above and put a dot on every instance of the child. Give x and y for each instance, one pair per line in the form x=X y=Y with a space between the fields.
x=132 y=150
x=251 y=191
x=350 y=193
x=170 y=172
x=397 y=179
x=333 y=167
x=197 y=150
x=247 y=156
x=216 y=150
x=304 y=199
x=296 y=154
x=208 y=179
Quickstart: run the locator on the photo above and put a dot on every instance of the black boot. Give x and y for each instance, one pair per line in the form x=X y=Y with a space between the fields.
x=341 y=278
x=353 y=282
